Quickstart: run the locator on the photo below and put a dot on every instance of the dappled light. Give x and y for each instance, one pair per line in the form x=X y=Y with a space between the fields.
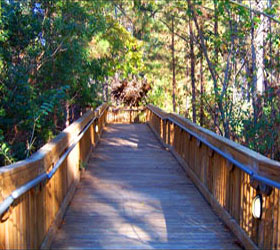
x=132 y=190
x=135 y=195
x=139 y=124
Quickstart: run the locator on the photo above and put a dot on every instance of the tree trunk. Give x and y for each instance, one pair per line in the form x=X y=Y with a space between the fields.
x=67 y=118
x=201 y=92
x=216 y=59
x=270 y=47
x=212 y=71
x=278 y=62
x=254 y=67
x=173 y=68
x=259 y=40
x=187 y=84
x=105 y=89
x=202 y=81
x=192 y=72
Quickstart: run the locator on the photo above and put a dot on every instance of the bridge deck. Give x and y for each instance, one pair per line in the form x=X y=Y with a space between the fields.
x=134 y=195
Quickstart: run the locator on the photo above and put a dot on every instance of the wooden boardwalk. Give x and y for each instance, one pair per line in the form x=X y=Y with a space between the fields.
x=134 y=195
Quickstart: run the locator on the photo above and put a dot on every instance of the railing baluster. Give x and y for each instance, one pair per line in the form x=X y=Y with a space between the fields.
x=35 y=192
x=223 y=171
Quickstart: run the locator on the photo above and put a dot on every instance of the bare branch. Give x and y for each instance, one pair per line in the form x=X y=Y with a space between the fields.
x=177 y=34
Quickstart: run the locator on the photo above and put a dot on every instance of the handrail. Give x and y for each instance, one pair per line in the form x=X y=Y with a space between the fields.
x=6 y=204
x=67 y=152
x=236 y=163
x=101 y=114
x=217 y=150
x=126 y=109
x=158 y=114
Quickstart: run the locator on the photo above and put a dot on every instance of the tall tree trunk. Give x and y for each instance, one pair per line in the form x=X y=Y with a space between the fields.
x=55 y=119
x=270 y=47
x=259 y=40
x=201 y=93
x=67 y=109
x=278 y=62
x=202 y=82
x=187 y=84
x=254 y=67
x=245 y=79
x=173 y=68
x=192 y=72
x=216 y=32
x=216 y=58
x=105 y=89
x=212 y=71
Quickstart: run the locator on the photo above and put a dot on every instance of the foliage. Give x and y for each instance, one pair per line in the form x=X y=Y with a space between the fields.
x=232 y=45
x=216 y=61
x=49 y=73
x=264 y=135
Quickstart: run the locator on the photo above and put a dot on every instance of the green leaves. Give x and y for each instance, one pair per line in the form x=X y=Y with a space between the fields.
x=256 y=19
x=4 y=149
x=46 y=108
x=44 y=62
x=5 y=153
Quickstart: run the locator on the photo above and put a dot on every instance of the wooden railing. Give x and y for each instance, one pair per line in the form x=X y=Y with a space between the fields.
x=126 y=115
x=228 y=175
x=34 y=193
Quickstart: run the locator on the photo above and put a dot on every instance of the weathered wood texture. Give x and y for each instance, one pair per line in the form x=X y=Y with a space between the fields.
x=26 y=224
x=122 y=115
x=135 y=195
x=226 y=187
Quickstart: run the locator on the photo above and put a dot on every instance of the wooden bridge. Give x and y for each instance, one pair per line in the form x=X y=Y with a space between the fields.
x=140 y=179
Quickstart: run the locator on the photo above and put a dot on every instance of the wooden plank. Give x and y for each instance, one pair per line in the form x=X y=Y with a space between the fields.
x=241 y=235
x=275 y=218
x=126 y=116
x=223 y=214
x=121 y=203
x=72 y=178
x=232 y=190
x=56 y=223
x=250 y=158
x=25 y=225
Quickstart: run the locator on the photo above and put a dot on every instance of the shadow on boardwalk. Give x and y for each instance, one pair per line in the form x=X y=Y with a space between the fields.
x=134 y=195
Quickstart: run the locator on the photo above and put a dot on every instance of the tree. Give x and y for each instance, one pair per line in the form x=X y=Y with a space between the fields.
x=49 y=73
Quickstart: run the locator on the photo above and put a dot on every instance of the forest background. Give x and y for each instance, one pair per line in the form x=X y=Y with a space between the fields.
x=215 y=62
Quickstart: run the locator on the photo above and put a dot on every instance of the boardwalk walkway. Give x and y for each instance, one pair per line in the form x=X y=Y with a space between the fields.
x=134 y=195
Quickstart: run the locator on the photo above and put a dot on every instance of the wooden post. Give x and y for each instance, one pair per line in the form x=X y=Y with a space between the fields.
x=226 y=187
